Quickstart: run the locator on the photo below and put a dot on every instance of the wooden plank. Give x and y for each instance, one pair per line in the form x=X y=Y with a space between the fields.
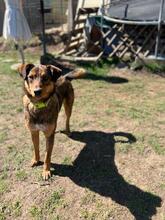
x=71 y=52
x=77 y=31
x=80 y=21
x=77 y=39
x=109 y=42
x=72 y=58
x=85 y=11
x=98 y=42
x=78 y=26
x=71 y=47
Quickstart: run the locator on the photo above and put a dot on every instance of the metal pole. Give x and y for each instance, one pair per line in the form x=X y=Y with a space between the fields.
x=102 y=19
x=43 y=26
x=159 y=28
x=102 y=14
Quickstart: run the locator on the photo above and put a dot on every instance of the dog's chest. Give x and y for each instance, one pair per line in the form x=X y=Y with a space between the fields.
x=40 y=119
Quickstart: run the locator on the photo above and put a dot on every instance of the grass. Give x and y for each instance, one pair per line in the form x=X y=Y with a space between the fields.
x=3 y=186
x=13 y=209
x=155 y=67
x=98 y=173
x=21 y=175
x=67 y=161
x=101 y=68
x=3 y=136
x=54 y=201
x=35 y=212
x=157 y=147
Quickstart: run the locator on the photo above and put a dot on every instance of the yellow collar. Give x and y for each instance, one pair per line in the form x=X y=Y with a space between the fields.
x=40 y=105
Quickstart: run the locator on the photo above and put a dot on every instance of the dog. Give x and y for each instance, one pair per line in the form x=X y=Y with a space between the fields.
x=46 y=89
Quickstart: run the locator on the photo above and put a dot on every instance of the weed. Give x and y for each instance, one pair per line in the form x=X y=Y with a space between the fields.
x=67 y=161
x=125 y=148
x=16 y=209
x=155 y=67
x=10 y=209
x=2 y=216
x=21 y=175
x=84 y=214
x=3 y=186
x=3 y=136
x=88 y=198
x=157 y=147
x=54 y=201
x=35 y=212
x=162 y=186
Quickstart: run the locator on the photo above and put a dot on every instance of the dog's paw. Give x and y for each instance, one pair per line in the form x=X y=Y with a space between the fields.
x=46 y=174
x=35 y=163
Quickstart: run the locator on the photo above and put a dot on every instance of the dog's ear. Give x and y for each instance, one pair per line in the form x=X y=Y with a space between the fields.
x=54 y=72
x=24 y=70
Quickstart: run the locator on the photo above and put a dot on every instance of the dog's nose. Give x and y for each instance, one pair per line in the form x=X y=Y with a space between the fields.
x=37 y=92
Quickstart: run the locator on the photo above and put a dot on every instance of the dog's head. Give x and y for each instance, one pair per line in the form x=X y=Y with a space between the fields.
x=39 y=80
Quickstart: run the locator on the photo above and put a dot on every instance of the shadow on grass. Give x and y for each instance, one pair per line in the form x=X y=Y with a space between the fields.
x=95 y=168
x=109 y=79
x=93 y=72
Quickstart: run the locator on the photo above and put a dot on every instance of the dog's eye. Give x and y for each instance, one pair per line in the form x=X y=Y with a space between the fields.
x=30 y=78
x=45 y=79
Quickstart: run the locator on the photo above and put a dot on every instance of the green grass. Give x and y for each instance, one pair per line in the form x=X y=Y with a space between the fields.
x=157 y=147
x=67 y=161
x=54 y=201
x=3 y=136
x=16 y=209
x=2 y=216
x=21 y=175
x=35 y=212
x=4 y=186
x=155 y=67
x=13 y=209
x=88 y=198
x=101 y=68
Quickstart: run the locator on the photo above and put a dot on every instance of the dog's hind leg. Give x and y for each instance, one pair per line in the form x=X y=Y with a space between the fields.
x=36 y=157
x=68 y=104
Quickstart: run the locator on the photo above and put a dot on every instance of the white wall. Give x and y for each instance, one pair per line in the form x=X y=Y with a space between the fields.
x=87 y=3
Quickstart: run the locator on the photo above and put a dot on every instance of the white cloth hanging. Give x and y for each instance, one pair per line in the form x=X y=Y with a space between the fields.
x=15 y=25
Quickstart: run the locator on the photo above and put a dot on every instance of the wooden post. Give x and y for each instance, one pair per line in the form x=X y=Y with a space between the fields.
x=72 y=8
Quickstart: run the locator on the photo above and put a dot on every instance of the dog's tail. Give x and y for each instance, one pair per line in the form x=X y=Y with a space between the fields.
x=75 y=74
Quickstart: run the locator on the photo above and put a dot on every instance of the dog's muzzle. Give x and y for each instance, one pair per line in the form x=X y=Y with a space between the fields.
x=37 y=92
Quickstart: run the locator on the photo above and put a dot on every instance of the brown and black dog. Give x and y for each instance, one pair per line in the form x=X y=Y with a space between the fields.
x=45 y=92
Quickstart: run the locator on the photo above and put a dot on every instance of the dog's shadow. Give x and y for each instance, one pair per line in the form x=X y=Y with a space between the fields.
x=95 y=169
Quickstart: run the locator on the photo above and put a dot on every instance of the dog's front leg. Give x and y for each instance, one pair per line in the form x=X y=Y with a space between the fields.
x=36 y=156
x=49 y=146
